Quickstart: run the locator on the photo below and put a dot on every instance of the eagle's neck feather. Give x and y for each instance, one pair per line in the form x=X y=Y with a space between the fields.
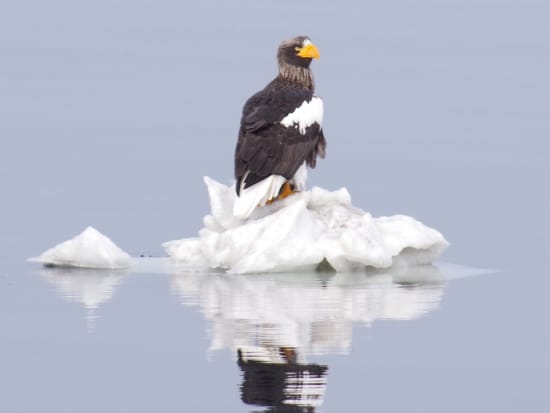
x=301 y=76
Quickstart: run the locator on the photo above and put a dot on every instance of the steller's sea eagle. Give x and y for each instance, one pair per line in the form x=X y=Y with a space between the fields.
x=281 y=131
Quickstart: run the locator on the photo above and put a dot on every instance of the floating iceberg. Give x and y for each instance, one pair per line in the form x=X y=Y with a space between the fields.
x=89 y=249
x=308 y=230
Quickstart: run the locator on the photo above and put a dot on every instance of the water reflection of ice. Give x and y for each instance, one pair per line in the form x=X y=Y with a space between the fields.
x=311 y=313
x=88 y=287
x=272 y=322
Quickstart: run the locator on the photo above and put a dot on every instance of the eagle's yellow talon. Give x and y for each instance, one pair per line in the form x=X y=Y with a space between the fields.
x=286 y=190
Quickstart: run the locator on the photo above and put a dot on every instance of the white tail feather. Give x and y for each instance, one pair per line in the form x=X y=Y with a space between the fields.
x=257 y=195
x=300 y=177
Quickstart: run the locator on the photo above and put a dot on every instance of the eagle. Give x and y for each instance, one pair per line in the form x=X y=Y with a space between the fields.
x=281 y=133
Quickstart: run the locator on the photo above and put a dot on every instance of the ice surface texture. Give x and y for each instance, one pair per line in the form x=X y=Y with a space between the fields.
x=301 y=232
x=89 y=249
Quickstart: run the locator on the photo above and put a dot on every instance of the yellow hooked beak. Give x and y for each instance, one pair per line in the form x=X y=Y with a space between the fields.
x=308 y=51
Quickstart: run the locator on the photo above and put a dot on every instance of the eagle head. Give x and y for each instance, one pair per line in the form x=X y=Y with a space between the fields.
x=298 y=51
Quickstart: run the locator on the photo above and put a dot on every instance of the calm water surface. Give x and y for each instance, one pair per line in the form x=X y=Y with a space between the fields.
x=158 y=338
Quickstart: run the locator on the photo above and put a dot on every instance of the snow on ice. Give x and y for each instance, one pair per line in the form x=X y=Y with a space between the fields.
x=304 y=231
x=89 y=249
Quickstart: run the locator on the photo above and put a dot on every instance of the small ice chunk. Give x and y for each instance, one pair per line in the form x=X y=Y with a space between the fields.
x=89 y=249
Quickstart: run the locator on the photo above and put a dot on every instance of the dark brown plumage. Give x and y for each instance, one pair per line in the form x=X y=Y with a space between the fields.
x=281 y=125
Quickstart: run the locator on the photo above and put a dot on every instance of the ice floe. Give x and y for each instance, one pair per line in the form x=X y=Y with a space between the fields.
x=302 y=232
x=315 y=229
x=89 y=249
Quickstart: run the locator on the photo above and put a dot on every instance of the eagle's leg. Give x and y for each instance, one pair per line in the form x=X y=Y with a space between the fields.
x=286 y=190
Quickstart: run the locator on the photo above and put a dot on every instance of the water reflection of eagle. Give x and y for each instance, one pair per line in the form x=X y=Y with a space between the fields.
x=283 y=384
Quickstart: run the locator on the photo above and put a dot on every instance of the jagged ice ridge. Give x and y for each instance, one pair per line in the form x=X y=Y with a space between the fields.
x=302 y=232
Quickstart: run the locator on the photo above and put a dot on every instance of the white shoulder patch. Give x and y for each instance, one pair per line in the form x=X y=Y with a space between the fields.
x=305 y=115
